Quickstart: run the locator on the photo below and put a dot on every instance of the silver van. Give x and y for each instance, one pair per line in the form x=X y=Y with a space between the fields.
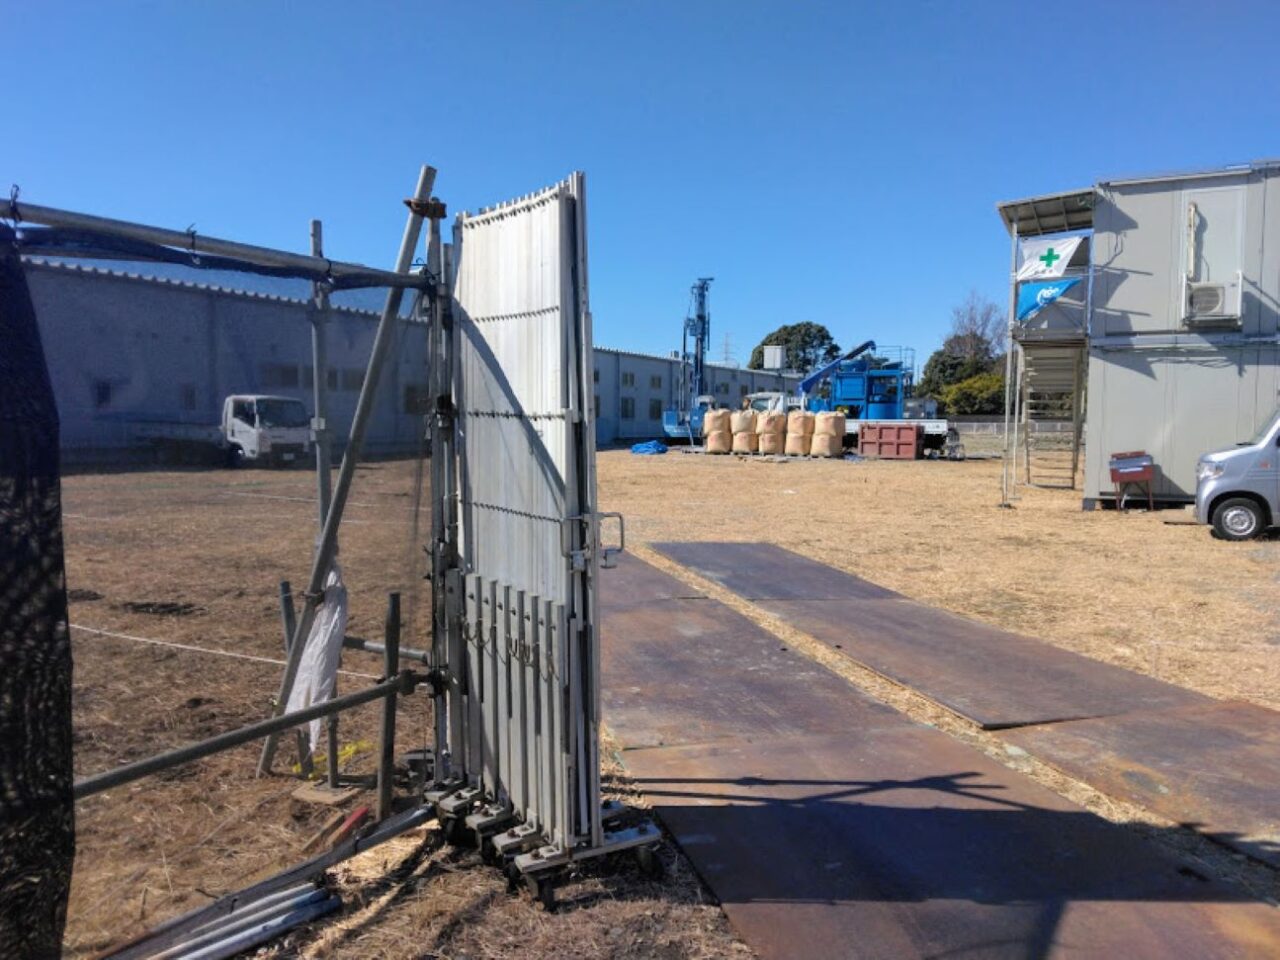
x=1238 y=489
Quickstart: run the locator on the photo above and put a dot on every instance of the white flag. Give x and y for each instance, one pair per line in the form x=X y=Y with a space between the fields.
x=1045 y=259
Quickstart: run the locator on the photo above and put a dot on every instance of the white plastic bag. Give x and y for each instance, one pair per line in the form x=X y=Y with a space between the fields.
x=318 y=668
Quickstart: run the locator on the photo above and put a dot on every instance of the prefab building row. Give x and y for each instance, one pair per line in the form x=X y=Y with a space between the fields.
x=127 y=349
x=1180 y=318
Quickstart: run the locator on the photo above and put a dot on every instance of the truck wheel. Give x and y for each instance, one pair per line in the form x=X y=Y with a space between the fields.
x=235 y=456
x=1238 y=518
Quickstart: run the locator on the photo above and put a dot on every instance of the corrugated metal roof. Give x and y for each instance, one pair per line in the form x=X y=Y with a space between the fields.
x=186 y=284
x=1232 y=170
x=1049 y=213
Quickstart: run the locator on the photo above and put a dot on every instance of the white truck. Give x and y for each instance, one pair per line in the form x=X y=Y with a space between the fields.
x=255 y=428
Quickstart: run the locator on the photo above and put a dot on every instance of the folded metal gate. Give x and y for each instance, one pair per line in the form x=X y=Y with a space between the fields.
x=515 y=555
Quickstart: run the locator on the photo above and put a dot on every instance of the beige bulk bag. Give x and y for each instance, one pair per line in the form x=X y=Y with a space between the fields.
x=801 y=422
x=715 y=421
x=830 y=424
x=770 y=443
x=826 y=445
x=742 y=421
x=744 y=441
x=719 y=441
x=771 y=421
x=798 y=444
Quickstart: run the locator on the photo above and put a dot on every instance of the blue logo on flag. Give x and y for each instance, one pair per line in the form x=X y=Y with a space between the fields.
x=1033 y=297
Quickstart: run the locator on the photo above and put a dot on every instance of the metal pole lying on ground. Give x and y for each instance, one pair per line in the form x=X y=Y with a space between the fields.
x=355 y=446
x=387 y=746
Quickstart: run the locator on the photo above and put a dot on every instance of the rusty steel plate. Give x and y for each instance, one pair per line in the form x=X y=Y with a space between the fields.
x=633 y=581
x=690 y=671
x=994 y=678
x=764 y=571
x=898 y=842
x=1215 y=767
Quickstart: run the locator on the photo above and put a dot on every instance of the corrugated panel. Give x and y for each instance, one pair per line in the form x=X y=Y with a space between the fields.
x=526 y=449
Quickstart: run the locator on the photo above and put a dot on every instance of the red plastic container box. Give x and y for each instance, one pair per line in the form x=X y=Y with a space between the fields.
x=890 y=441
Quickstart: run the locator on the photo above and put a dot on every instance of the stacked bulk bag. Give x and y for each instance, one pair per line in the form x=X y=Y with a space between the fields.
x=716 y=431
x=828 y=435
x=771 y=429
x=743 y=425
x=799 y=433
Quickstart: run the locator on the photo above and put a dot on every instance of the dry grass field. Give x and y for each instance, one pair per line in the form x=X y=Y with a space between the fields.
x=193 y=558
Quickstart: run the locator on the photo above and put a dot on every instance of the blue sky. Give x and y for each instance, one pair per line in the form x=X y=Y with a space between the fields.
x=829 y=162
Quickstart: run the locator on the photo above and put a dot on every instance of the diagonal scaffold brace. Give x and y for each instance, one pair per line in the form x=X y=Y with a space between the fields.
x=327 y=548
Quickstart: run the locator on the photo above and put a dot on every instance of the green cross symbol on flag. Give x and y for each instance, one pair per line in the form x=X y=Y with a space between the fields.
x=1043 y=259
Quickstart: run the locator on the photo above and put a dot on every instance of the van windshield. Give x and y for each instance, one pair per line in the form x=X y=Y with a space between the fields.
x=282 y=413
x=1263 y=430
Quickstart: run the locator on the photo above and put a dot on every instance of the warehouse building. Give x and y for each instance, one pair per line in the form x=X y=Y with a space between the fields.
x=1177 y=320
x=127 y=350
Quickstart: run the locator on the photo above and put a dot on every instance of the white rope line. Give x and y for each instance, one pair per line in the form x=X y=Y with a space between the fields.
x=216 y=652
x=274 y=496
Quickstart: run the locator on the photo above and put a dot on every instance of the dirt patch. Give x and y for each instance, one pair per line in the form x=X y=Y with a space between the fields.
x=1125 y=588
x=162 y=608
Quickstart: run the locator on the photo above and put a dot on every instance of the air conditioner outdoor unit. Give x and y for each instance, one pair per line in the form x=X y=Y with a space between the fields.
x=1211 y=303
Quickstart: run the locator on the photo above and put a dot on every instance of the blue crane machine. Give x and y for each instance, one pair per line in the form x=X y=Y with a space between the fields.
x=693 y=399
x=861 y=385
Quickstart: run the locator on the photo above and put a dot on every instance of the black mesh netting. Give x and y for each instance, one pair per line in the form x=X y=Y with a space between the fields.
x=37 y=822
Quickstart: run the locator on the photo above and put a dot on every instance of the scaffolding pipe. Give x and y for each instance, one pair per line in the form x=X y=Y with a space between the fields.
x=387 y=738
x=234 y=738
x=319 y=380
x=1008 y=362
x=328 y=545
x=197 y=243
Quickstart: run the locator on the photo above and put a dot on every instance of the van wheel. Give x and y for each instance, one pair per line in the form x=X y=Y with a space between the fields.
x=1238 y=518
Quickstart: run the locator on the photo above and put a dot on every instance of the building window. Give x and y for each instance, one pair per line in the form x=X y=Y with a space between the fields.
x=415 y=399
x=332 y=379
x=595 y=406
x=655 y=382
x=655 y=409
x=352 y=379
x=628 y=408
x=628 y=379
x=743 y=389
x=101 y=393
x=188 y=396
x=595 y=376
x=722 y=388
x=279 y=375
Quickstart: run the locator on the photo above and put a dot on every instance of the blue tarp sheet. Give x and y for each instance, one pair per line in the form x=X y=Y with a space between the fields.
x=649 y=448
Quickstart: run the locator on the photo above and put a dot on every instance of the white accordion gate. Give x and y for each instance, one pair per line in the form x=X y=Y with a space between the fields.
x=516 y=543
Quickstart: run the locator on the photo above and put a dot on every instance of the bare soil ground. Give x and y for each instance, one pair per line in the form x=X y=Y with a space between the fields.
x=194 y=558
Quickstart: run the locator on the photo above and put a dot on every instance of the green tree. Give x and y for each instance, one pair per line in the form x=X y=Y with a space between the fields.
x=983 y=393
x=807 y=345
x=973 y=349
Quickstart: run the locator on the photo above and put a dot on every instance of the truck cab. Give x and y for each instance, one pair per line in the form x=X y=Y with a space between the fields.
x=265 y=429
x=1238 y=488
x=679 y=425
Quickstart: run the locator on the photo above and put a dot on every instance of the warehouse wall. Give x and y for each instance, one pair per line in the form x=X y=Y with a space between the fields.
x=632 y=390
x=1155 y=383
x=124 y=349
